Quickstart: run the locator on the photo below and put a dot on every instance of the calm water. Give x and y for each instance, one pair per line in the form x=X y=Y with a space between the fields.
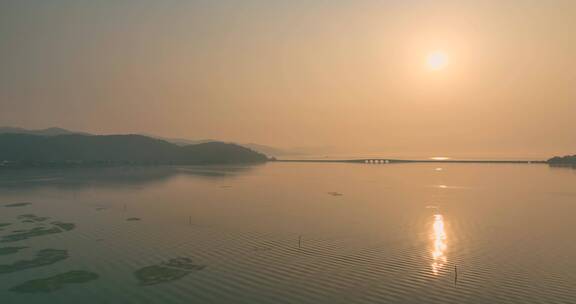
x=293 y=233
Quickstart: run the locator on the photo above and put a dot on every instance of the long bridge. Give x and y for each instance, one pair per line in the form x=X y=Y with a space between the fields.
x=380 y=161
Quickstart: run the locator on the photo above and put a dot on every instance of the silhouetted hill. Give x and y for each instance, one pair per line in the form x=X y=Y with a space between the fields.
x=232 y=153
x=181 y=141
x=24 y=148
x=271 y=151
x=560 y=160
x=268 y=150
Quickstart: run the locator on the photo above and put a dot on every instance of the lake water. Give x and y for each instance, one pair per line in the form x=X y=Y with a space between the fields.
x=290 y=233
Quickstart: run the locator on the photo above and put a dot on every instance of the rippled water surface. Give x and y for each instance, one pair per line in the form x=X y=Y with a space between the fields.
x=290 y=233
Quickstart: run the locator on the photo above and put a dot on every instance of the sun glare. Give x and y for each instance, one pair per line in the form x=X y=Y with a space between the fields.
x=439 y=158
x=437 y=60
x=440 y=244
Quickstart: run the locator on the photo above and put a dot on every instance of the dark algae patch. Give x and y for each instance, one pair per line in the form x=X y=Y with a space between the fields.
x=31 y=218
x=56 y=227
x=26 y=234
x=10 y=250
x=17 y=205
x=43 y=258
x=335 y=193
x=64 y=226
x=56 y=282
x=131 y=219
x=2 y=225
x=171 y=270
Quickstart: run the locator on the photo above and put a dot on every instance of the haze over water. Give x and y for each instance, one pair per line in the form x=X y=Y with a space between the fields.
x=301 y=233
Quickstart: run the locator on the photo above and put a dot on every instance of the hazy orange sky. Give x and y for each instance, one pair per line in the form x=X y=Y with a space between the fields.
x=350 y=76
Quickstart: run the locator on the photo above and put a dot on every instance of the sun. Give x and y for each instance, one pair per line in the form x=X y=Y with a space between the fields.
x=437 y=60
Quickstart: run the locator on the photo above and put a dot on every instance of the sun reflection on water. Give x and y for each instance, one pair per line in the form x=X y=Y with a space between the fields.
x=439 y=244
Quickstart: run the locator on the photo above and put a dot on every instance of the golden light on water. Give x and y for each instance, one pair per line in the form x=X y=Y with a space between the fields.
x=439 y=244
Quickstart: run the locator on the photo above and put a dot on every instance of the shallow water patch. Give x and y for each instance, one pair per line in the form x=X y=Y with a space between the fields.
x=55 y=282
x=10 y=250
x=43 y=258
x=19 y=235
x=64 y=226
x=173 y=269
x=17 y=205
x=31 y=218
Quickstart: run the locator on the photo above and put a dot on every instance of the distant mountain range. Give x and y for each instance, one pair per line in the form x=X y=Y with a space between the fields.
x=270 y=151
x=111 y=149
x=182 y=141
x=43 y=132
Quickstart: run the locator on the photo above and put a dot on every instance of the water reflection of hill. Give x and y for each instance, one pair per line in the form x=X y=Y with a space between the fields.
x=112 y=176
x=562 y=166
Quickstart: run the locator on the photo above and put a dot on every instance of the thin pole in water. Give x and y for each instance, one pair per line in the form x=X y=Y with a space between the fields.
x=190 y=220
x=455 y=275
